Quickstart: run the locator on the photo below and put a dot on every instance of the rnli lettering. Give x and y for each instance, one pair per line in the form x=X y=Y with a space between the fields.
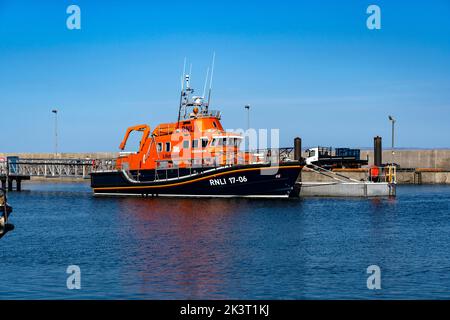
x=225 y=181
x=217 y=182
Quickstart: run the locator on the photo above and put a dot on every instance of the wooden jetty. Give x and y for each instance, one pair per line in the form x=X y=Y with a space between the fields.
x=10 y=174
x=8 y=182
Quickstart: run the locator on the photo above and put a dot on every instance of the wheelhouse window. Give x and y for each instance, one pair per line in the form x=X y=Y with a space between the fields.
x=204 y=142
x=194 y=144
x=159 y=147
x=167 y=146
x=226 y=142
x=186 y=144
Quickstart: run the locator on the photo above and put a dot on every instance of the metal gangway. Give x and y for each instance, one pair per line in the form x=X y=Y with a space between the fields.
x=48 y=168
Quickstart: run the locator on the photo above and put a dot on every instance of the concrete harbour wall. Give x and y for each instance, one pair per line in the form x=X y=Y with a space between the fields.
x=438 y=158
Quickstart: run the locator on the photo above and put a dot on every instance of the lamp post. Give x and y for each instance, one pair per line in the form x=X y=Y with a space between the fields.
x=391 y=118
x=248 y=116
x=55 y=111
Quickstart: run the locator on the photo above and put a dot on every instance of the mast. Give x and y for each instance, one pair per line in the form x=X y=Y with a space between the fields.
x=206 y=83
x=191 y=105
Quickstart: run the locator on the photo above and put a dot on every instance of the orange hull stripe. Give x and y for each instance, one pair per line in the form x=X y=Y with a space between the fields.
x=198 y=179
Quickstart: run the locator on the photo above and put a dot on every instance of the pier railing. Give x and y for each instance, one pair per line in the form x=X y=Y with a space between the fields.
x=104 y=165
x=276 y=154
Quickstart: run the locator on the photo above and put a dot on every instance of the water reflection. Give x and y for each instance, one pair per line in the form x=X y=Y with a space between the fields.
x=183 y=244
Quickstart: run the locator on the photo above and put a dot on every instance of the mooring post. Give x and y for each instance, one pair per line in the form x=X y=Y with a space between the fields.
x=297 y=157
x=377 y=151
x=297 y=149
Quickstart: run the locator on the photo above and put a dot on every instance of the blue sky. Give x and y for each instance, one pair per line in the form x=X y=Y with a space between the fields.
x=310 y=68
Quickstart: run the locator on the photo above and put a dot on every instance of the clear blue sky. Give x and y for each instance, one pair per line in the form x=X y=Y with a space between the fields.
x=310 y=68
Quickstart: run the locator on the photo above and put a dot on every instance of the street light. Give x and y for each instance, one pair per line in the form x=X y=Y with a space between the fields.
x=248 y=116
x=55 y=111
x=391 y=118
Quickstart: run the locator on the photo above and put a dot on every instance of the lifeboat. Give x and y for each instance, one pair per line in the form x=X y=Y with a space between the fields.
x=193 y=157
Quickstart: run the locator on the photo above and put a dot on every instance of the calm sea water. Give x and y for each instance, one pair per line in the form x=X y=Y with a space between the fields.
x=133 y=248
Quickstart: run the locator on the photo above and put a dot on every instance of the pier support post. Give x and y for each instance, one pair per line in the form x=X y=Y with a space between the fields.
x=417 y=177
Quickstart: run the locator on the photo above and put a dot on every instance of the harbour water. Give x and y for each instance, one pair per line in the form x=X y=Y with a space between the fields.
x=160 y=248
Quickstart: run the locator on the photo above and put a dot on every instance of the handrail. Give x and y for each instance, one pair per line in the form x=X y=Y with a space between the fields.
x=128 y=175
x=317 y=169
x=385 y=174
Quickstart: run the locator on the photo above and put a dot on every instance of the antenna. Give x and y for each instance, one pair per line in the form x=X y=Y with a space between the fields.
x=189 y=75
x=206 y=82
x=182 y=76
x=181 y=94
x=210 y=82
